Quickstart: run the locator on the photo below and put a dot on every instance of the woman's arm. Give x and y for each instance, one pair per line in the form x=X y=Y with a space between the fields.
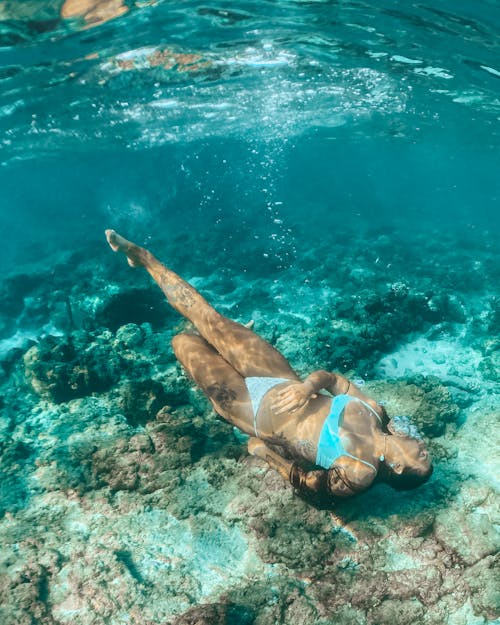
x=297 y=395
x=334 y=383
x=337 y=384
x=307 y=481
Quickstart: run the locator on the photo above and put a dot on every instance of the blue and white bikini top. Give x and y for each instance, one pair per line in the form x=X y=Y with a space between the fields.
x=330 y=445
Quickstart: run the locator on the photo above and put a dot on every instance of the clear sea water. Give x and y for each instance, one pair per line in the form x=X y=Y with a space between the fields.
x=314 y=114
x=288 y=157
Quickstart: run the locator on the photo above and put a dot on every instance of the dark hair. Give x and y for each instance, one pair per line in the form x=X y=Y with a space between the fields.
x=407 y=480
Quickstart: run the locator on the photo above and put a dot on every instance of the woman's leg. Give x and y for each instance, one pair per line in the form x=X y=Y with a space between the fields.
x=223 y=386
x=244 y=350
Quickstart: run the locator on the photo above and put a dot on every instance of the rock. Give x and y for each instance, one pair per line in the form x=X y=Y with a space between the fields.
x=402 y=612
x=130 y=335
x=140 y=400
x=138 y=305
x=15 y=288
x=155 y=459
x=490 y=366
x=483 y=582
x=216 y=613
x=467 y=540
x=494 y=315
x=424 y=399
x=9 y=359
x=61 y=368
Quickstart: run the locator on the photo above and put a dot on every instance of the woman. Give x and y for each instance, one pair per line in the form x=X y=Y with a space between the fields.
x=292 y=424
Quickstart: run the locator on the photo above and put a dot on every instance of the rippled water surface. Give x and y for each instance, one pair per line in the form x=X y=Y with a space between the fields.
x=403 y=96
x=163 y=73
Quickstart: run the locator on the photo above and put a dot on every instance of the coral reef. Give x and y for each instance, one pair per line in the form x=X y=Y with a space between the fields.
x=61 y=369
x=124 y=498
x=425 y=398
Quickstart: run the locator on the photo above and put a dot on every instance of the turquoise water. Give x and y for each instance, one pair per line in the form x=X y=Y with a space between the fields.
x=377 y=113
x=327 y=169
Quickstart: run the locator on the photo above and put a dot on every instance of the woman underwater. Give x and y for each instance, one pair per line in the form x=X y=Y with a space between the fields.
x=291 y=423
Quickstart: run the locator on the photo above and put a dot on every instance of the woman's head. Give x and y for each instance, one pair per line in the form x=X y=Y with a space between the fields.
x=406 y=460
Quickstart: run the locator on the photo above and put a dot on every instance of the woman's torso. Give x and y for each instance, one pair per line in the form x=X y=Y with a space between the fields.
x=298 y=433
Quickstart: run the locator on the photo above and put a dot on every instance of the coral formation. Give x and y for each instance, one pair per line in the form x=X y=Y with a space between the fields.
x=61 y=368
x=124 y=498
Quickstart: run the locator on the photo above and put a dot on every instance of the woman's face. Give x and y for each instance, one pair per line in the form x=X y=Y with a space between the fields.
x=407 y=455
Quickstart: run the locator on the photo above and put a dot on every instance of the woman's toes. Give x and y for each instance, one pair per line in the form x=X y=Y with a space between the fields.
x=112 y=238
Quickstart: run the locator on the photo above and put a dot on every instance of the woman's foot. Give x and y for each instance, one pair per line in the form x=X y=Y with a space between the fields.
x=119 y=244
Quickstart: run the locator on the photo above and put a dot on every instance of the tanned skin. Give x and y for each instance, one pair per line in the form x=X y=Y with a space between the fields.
x=292 y=414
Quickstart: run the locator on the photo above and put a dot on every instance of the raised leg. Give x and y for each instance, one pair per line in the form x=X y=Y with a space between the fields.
x=223 y=386
x=244 y=350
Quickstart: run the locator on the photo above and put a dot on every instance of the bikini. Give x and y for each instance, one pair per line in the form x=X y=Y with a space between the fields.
x=257 y=388
x=330 y=444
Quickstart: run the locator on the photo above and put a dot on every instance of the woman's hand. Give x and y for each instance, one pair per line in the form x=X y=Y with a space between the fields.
x=292 y=398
